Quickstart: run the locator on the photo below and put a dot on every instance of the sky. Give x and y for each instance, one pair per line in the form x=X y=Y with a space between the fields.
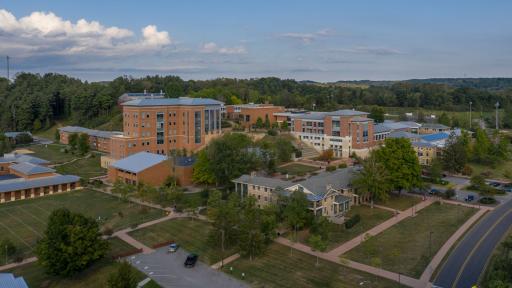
x=304 y=40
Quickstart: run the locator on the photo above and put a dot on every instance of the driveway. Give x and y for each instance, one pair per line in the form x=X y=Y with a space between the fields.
x=168 y=271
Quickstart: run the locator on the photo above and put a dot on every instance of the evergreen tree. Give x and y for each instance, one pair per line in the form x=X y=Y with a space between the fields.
x=124 y=277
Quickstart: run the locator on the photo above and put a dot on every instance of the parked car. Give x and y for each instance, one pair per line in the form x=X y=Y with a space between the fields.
x=469 y=198
x=434 y=191
x=173 y=247
x=191 y=260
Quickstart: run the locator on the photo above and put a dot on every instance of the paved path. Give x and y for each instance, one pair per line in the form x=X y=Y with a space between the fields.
x=349 y=245
x=468 y=260
x=438 y=258
x=411 y=282
x=228 y=260
x=14 y=265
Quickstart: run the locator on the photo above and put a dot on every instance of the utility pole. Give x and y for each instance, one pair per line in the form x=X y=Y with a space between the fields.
x=497 y=106
x=7 y=58
x=470 y=114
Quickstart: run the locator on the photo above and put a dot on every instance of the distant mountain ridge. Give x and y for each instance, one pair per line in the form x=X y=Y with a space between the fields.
x=492 y=84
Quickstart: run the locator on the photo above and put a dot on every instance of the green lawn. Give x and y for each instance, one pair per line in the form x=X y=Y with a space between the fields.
x=24 y=221
x=402 y=202
x=338 y=234
x=51 y=152
x=405 y=246
x=296 y=169
x=276 y=268
x=85 y=168
x=119 y=247
x=191 y=234
x=496 y=171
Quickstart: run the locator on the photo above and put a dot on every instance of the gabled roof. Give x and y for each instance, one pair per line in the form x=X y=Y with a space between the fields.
x=21 y=183
x=138 y=162
x=90 y=132
x=181 y=101
x=30 y=169
x=263 y=181
x=393 y=125
x=380 y=128
x=423 y=144
x=8 y=280
x=20 y=158
x=434 y=126
x=322 y=115
x=403 y=134
x=14 y=134
x=435 y=136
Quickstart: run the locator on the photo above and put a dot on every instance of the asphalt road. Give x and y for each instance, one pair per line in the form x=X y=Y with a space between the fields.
x=468 y=260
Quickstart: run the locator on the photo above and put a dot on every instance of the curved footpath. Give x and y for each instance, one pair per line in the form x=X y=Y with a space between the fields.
x=468 y=260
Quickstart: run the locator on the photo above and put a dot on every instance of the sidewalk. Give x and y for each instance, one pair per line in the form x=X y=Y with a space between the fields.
x=349 y=245
x=438 y=258
x=14 y=265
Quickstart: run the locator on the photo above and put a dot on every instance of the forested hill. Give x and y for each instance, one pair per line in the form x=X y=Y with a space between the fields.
x=491 y=84
x=34 y=102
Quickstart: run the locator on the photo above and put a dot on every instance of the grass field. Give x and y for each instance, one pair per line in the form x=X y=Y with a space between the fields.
x=405 y=247
x=25 y=221
x=192 y=235
x=338 y=234
x=402 y=202
x=51 y=152
x=85 y=168
x=276 y=268
x=296 y=169
x=498 y=171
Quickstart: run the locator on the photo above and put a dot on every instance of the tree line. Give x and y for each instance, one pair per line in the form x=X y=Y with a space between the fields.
x=34 y=102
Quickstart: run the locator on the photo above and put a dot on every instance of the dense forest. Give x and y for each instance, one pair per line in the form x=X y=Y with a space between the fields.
x=34 y=102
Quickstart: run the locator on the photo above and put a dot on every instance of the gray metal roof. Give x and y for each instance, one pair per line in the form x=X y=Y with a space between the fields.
x=30 y=169
x=20 y=158
x=138 y=162
x=403 y=134
x=14 y=134
x=21 y=184
x=380 y=128
x=322 y=115
x=181 y=101
x=185 y=161
x=8 y=280
x=361 y=119
x=264 y=181
x=423 y=144
x=434 y=126
x=318 y=184
x=90 y=132
x=400 y=125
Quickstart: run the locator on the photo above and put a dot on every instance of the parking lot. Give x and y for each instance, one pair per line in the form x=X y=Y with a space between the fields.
x=167 y=269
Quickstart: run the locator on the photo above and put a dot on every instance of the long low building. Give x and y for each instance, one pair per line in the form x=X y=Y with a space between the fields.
x=98 y=140
x=23 y=177
x=330 y=193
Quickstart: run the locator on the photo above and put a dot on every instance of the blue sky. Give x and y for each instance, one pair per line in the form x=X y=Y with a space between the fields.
x=314 y=40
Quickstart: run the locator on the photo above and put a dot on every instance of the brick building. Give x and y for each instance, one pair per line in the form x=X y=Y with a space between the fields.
x=142 y=167
x=98 y=140
x=248 y=114
x=343 y=131
x=162 y=125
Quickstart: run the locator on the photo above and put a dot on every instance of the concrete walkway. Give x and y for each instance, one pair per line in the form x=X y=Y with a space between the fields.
x=14 y=265
x=438 y=258
x=349 y=245
x=227 y=260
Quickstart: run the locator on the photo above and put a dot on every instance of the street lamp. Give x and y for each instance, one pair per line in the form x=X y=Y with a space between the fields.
x=470 y=114
x=497 y=106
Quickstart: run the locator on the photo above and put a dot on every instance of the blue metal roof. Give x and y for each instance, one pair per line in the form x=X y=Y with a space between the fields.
x=8 y=177
x=138 y=162
x=21 y=184
x=19 y=158
x=7 y=280
x=181 y=101
x=30 y=169
x=435 y=137
x=423 y=144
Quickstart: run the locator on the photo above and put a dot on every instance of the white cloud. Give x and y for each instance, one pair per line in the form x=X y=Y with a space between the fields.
x=381 y=51
x=43 y=33
x=307 y=38
x=212 y=47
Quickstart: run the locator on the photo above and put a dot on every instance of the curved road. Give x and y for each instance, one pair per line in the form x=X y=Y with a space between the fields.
x=468 y=260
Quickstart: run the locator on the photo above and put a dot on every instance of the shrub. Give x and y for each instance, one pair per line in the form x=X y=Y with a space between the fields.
x=467 y=170
x=272 y=132
x=342 y=165
x=330 y=168
x=449 y=193
x=487 y=200
x=352 y=221
x=298 y=153
x=108 y=231
x=301 y=173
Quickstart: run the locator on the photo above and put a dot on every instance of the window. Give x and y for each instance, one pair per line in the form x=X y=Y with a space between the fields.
x=197 y=127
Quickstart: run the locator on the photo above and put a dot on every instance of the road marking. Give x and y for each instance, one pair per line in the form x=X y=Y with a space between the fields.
x=476 y=246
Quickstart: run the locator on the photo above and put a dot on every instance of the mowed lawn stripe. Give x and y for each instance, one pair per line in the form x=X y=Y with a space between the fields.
x=16 y=235
x=22 y=223
x=20 y=208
